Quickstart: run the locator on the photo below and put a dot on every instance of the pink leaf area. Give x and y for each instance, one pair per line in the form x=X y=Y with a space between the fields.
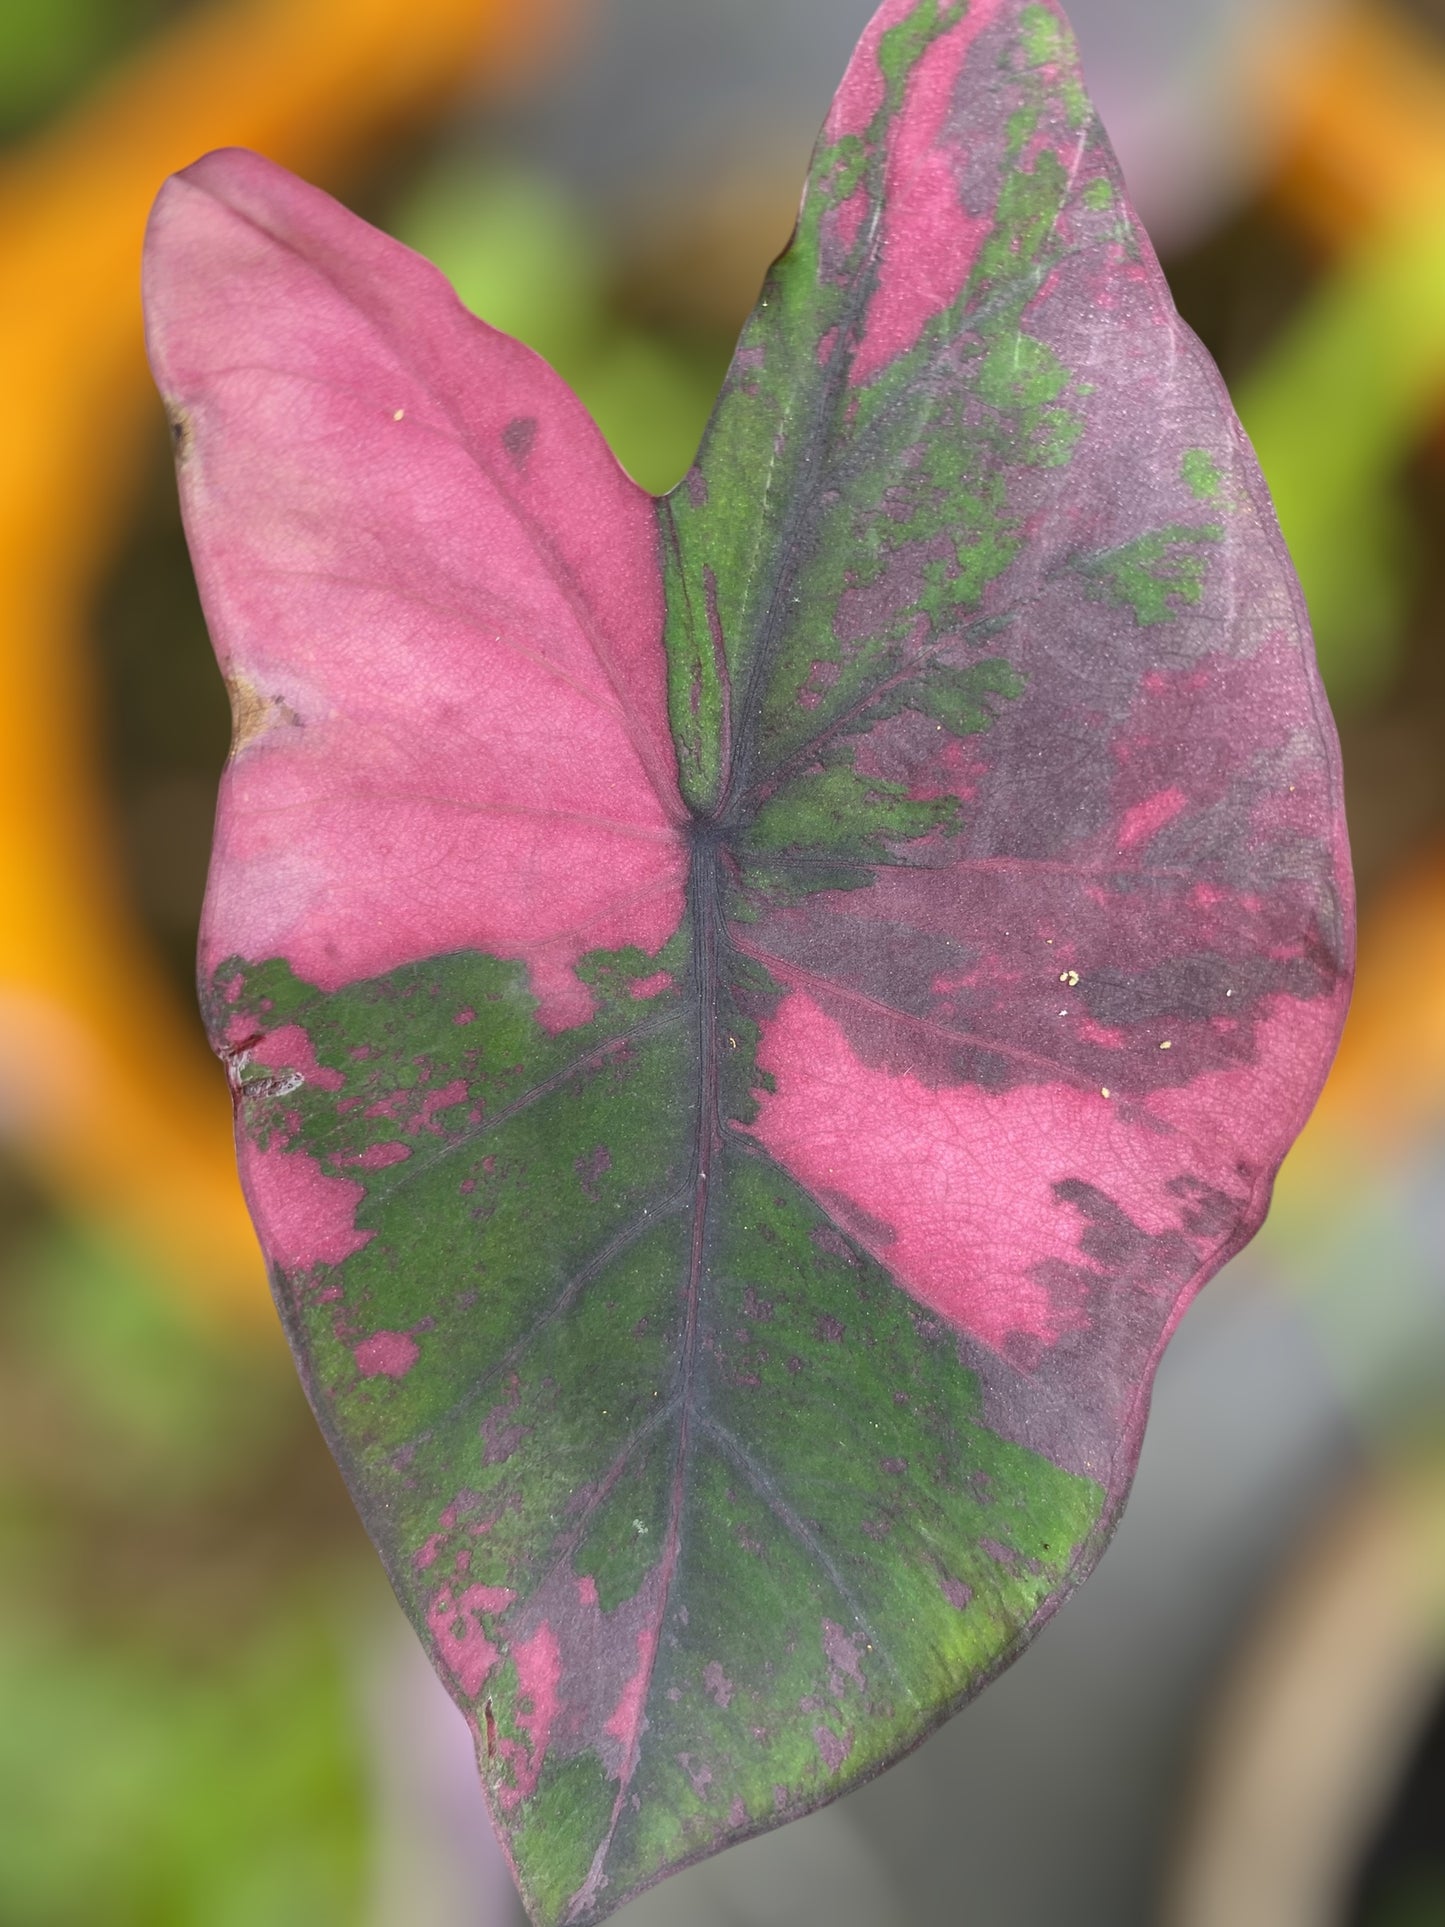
x=970 y=1197
x=625 y=1723
x=539 y=1673
x=304 y=1217
x=386 y=1354
x=455 y=1622
x=434 y=594
x=928 y=232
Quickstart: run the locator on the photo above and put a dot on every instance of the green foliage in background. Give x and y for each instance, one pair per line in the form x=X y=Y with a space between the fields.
x=523 y=256
x=51 y=48
x=177 y=1748
x=1335 y=411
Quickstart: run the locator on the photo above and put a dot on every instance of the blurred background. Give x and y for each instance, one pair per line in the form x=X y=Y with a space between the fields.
x=211 y=1714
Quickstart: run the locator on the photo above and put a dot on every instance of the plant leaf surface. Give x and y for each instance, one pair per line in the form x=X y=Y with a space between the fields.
x=752 y=1013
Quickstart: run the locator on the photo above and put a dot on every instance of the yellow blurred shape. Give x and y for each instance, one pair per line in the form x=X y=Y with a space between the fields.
x=105 y=1089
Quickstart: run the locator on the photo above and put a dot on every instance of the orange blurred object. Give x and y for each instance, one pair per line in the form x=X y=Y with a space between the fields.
x=1362 y=100
x=105 y=1089
x=1386 y=1093
x=1387 y=1090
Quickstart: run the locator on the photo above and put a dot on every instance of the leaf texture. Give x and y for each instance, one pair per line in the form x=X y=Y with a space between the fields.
x=751 y=1014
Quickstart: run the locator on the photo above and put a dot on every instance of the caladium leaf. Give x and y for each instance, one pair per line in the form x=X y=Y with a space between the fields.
x=750 y=1014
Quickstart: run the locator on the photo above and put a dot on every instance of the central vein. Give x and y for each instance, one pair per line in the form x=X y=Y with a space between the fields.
x=704 y=885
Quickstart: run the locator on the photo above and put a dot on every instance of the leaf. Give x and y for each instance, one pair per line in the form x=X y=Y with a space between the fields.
x=751 y=1014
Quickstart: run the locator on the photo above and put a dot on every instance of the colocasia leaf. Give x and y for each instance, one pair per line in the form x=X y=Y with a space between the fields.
x=751 y=1014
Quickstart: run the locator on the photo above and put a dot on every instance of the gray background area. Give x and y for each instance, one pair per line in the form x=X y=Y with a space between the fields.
x=657 y=86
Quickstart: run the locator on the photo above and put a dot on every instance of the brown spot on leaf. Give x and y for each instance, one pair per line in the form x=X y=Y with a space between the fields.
x=517 y=438
x=928 y=1329
x=833 y=1749
x=844 y=1658
x=501 y=1435
x=874 y=1233
x=1002 y=1555
x=592 y=1169
x=182 y=433
x=719 y=1686
x=826 y=1238
x=254 y=713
